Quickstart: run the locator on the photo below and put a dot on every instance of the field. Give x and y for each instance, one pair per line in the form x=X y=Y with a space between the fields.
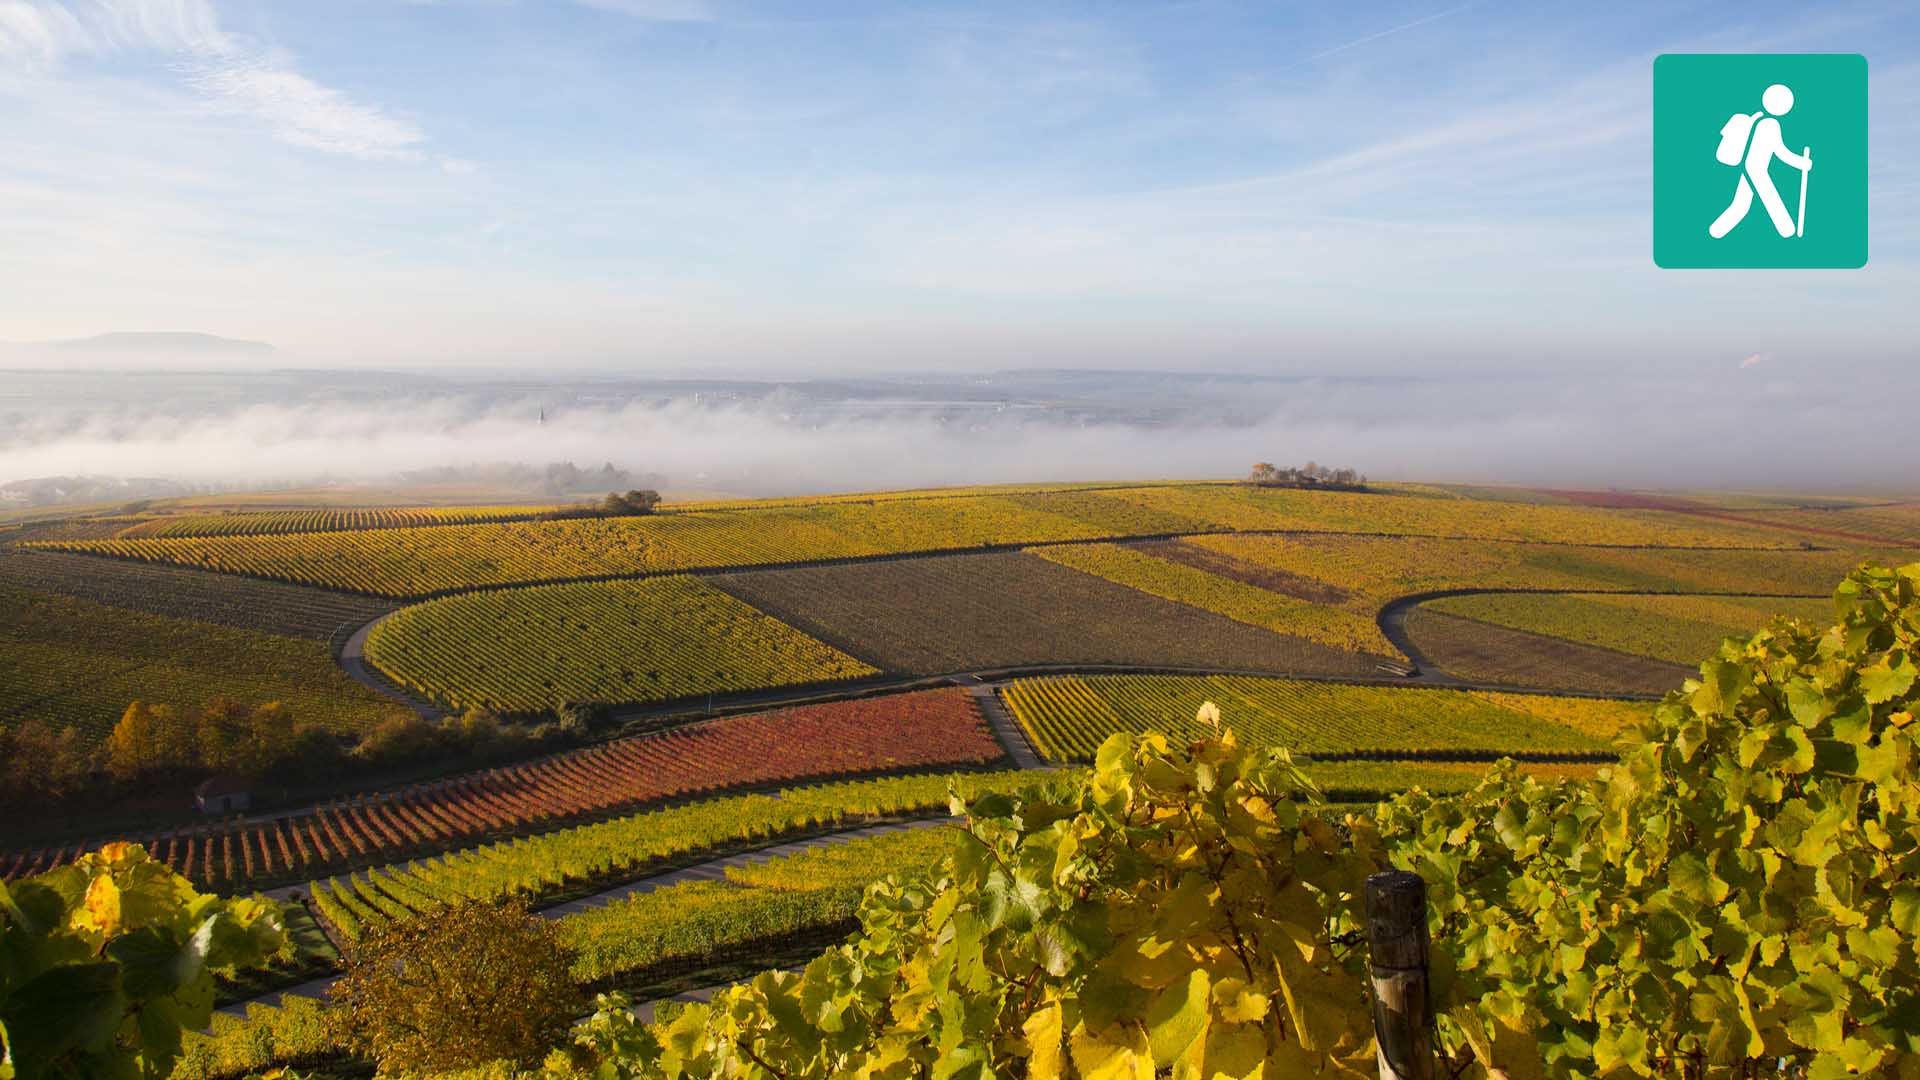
x=978 y=612
x=1467 y=649
x=682 y=925
x=244 y=603
x=1182 y=582
x=1895 y=524
x=935 y=729
x=72 y=662
x=1676 y=629
x=536 y=649
x=1367 y=572
x=414 y=562
x=1068 y=717
x=327 y=519
x=563 y=861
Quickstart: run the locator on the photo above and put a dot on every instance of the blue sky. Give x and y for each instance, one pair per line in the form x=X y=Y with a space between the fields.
x=801 y=188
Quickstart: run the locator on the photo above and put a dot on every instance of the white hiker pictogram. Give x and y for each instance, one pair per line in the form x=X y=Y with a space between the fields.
x=1752 y=140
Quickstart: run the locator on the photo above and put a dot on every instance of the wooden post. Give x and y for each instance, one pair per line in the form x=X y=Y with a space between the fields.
x=1396 y=905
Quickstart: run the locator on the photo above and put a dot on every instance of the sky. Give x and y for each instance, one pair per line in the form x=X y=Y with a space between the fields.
x=745 y=187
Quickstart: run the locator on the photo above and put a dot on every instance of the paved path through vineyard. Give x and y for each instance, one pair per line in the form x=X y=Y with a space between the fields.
x=711 y=870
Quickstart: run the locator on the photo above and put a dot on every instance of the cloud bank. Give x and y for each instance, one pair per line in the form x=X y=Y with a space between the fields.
x=1755 y=432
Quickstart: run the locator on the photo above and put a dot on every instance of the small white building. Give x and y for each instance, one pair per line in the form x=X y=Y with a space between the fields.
x=222 y=795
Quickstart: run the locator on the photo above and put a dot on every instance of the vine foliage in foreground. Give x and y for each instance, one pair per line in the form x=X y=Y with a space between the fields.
x=104 y=962
x=1739 y=896
x=1175 y=912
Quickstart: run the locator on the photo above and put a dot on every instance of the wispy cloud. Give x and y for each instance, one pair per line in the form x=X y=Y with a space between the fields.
x=1378 y=34
x=300 y=111
x=656 y=10
x=234 y=73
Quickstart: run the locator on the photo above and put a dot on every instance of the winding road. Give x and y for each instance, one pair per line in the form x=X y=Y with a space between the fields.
x=710 y=870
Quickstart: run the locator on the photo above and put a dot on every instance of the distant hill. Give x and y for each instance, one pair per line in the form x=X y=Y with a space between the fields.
x=171 y=341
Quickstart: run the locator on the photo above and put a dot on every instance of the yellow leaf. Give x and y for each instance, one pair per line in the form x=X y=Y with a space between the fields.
x=1239 y=1004
x=103 y=906
x=1178 y=1018
x=1237 y=1052
x=1119 y=1052
x=1043 y=1029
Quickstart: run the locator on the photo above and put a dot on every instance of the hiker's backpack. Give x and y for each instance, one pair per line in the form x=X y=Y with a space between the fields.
x=1734 y=136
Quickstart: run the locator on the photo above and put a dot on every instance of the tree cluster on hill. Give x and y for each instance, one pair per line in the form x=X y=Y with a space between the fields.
x=1312 y=474
x=616 y=504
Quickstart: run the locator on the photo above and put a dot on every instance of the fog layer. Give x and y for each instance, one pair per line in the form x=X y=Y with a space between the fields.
x=1745 y=430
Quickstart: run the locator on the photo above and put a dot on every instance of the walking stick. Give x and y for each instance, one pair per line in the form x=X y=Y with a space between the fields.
x=1800 y=223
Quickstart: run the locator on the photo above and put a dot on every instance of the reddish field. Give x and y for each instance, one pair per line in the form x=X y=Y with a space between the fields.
x=1621 y=500
x=934 y=728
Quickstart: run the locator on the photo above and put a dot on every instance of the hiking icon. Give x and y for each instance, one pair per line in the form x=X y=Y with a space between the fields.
x=1752 y=141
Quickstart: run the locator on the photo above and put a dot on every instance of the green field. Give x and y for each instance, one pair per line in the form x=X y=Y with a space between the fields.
x=71 y=662
x=1069 y=716
x=657 y=639
x=1676 y=629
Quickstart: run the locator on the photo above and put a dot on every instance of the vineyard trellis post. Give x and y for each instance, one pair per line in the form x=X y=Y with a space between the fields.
x=1397 y=947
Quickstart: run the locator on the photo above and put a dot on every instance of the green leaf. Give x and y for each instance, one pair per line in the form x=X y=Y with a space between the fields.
x=76 y=1007
x=1892 y=677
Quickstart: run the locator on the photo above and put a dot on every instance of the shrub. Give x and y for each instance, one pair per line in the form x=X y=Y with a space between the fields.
x=478 y=982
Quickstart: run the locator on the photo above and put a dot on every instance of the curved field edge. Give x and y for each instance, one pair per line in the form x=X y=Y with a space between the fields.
x=1670 y=628
x=646 y=641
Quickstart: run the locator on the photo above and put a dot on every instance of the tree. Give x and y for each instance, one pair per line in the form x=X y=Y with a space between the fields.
x=475 y=983
x=130 y=750
x=632 y=503
x=220 y=729
x=108 y=959
x=175 y=742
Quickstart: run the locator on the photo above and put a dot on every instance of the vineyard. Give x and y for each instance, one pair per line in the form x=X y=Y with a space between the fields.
x=1483 y=652
x=73 y=663
x=418 y=561
x=941 y=728
x=536 y=649
x=243 y=603
x=1237 y=600
x=1068 y=717
x=1362 y=572
x=976 y=612
x=328 y=519
x=565 y=860
x=682 y=925
x=1896 y=525
x=1671 y=628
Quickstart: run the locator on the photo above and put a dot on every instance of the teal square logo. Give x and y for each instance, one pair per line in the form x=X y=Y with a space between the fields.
x=1760 y=160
